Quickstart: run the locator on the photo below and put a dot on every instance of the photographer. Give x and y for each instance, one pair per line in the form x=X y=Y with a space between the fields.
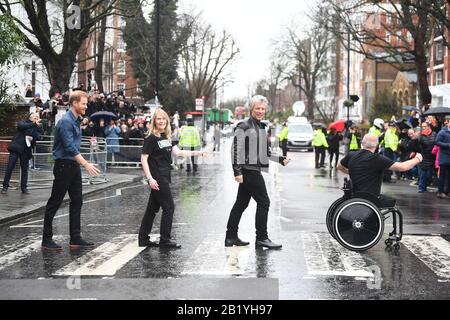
x=21 y=148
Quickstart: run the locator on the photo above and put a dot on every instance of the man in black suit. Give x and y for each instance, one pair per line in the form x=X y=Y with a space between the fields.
x=21 y=148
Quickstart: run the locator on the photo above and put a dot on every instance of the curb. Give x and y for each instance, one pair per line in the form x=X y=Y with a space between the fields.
x=32 y=209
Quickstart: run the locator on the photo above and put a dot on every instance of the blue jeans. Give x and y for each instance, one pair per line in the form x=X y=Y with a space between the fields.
x=24 y=161
x=424 y=174
x=444 y=174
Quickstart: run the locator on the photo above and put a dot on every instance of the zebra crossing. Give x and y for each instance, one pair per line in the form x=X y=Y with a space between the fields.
x=323 y=257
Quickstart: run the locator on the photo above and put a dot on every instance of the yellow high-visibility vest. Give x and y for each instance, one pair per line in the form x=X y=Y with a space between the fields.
x=375 y=131
x=391 y=140
x=284 y=134
x=319 y=139
x=189 y=137
x=354 y=143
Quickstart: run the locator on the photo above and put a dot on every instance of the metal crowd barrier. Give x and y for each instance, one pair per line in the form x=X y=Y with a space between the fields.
x=124 y=153
x=40 y=172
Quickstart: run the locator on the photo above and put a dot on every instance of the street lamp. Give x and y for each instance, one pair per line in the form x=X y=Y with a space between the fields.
x=158 y=26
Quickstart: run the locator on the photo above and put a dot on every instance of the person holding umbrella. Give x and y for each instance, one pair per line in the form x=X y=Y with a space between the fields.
x=333 y=146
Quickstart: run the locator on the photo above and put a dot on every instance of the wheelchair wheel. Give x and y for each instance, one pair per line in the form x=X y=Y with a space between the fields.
x=330 y=214
x=358 y=224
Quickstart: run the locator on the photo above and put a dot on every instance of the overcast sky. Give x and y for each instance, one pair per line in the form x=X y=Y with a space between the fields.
x=253 y=24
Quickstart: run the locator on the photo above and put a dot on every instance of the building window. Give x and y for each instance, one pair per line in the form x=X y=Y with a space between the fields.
x=121 y=87
x=121 y=43
x=438 y=76
x=439 y=56
x=121 y=22
x=121 y=67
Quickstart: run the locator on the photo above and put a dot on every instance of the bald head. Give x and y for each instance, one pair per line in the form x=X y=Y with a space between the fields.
x=370 y=142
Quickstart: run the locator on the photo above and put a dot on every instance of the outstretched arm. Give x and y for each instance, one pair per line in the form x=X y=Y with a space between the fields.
x=185 y=153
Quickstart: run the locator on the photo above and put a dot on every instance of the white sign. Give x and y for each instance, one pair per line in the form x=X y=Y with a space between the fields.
x=298 y=108
x=199 y=104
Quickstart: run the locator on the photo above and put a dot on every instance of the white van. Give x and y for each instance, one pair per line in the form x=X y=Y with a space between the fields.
x=300 y=134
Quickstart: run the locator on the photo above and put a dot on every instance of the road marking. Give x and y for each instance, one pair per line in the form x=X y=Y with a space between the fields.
x=16 y=252
x=212 y=258
x=106 y=259
x=25 y=224
x=106 y=225
x=431 y=250
x=325 y=257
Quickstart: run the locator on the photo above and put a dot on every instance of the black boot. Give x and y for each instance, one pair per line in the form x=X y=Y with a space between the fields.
x=235 y=242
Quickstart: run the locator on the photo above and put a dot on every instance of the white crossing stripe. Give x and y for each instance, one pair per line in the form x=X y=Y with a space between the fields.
x=16 y=252
x=434 y=251
x=212 y=258
x=326 y=257
x=106 y=259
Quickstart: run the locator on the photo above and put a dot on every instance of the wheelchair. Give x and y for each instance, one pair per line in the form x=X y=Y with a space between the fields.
x=356 y=220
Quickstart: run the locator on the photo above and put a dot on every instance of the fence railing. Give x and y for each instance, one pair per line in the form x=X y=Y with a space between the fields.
x=124 y=153
x=40 y=172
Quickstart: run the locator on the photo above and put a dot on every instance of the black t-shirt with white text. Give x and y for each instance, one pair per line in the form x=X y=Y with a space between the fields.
x=159 y=150
x=366 y=170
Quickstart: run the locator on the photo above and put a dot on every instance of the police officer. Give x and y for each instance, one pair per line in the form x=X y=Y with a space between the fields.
x=377 y=127
x=355 y=139
x=190 y=140
x=320 y=145
x=251 y=154
x=284 y=138
x=156 y=161
x=390 y=147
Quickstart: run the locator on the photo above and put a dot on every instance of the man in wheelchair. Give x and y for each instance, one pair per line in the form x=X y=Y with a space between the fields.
x=365 y=168
x=356 y=220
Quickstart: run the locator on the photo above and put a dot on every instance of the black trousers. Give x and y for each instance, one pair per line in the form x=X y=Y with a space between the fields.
x=252 y=187
x=67 y=179
x=193 y=160
x=162 y=198
x=334 y=153
x=24 y=160
x=320 y=153
x=284 y=147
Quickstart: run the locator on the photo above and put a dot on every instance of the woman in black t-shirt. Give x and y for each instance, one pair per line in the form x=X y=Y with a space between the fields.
x=156 y=159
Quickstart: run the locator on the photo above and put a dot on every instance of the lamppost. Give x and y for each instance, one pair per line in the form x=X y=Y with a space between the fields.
x=157 y=47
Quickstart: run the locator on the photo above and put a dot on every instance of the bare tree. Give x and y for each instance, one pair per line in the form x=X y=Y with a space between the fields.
x=58 y=50
x=397 y=32
x=308 y=54
x=206 y=57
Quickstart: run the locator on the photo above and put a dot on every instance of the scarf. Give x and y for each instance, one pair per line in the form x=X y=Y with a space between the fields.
x=426 y=132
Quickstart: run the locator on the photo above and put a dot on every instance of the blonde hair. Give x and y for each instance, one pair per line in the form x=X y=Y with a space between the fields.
x=154 y=130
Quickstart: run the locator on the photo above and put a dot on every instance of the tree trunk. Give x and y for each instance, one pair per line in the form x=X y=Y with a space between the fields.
x=59 y=71
x=100 y=51
x=422 y=77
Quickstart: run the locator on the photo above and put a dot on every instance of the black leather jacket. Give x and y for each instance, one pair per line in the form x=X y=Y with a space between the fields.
x=250 y=150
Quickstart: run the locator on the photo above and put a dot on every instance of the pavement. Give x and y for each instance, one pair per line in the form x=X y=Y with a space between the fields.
x=15 y=205
x=311 y=264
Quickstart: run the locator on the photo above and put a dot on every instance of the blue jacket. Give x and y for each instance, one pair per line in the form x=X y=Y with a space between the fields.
x=443 y=142
x=67 y=137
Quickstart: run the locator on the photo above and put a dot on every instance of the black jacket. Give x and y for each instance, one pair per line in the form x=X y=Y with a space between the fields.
x=426 y=147
x=251 y=147
x=25 y=128
x=333 y=141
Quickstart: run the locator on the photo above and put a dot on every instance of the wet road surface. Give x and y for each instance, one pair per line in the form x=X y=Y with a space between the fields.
x=311 y=265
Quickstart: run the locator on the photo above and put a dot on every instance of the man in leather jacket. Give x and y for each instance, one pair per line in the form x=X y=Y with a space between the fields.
x=251 y=154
